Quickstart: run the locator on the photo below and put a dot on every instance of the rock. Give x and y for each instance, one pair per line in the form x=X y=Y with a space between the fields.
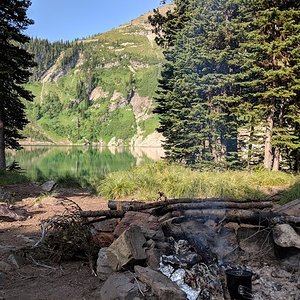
x=16 y=260
x=106 y=225
x=292 y=208
x=285 y=236
x=153 y=258
x=120 y=286
x=104 y=270
x=149 y=224
x=102 y=232
x=5 y=267
x=102 y=239
x=48 y=186
x=128 y=248
x=10 y=213
x=161 y=285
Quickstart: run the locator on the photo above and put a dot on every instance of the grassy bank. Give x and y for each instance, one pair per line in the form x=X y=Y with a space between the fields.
x=144 y=182
x=9 y=177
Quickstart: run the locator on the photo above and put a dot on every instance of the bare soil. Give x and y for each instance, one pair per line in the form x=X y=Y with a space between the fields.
x=68 y=280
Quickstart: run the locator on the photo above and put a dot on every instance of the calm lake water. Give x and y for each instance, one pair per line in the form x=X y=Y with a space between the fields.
x=81 y=162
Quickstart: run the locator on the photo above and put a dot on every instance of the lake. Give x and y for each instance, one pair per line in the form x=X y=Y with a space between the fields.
x=51 y=162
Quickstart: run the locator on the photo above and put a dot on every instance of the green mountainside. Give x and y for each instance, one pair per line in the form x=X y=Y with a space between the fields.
x=96 y=90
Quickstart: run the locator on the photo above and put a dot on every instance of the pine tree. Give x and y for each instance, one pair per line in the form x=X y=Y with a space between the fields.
x=15 y=64
x=273 y=67
x=197 y=97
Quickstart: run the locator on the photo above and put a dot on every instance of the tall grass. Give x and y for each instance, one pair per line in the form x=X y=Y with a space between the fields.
x=144 y=182
x=12 y=177
x=291 y=193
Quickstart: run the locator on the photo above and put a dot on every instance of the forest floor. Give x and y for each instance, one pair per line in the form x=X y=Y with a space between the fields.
x=68 y=280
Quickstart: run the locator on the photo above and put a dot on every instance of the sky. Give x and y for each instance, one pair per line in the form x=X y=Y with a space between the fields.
x=70 y=19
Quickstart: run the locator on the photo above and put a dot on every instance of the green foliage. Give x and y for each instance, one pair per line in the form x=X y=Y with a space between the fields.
x=117 y=63
x=292 y=193
x=144 y=182
x=230 y=83
x=12 y=177
x=146 y=81
x=15 y=65
x=149 y=125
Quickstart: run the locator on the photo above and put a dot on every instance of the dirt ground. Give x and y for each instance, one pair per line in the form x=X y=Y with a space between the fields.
x=69 y=280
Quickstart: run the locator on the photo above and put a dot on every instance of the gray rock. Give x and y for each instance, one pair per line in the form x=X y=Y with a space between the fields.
x=12 y=213
x=285 y=236
x=153 y=258
x=16 y=260
x=148 y=223
x=161 y=285
x=48 y=186
x=120 y=286
x=128 y=248
x=104 y=270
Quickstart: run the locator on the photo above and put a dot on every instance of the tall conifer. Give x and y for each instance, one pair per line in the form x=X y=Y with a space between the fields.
x=15 y=64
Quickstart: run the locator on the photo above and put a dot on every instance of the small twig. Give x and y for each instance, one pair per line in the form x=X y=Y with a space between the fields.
x=41 y=265
x=138 y=284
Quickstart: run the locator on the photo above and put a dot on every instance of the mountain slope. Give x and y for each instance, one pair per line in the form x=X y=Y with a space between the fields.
x=96 y=90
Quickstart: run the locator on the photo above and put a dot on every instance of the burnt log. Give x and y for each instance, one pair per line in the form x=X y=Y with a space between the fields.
x=254 y=217
x=211 y=205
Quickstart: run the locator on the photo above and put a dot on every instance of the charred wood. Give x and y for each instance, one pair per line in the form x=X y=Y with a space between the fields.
x=254 y=217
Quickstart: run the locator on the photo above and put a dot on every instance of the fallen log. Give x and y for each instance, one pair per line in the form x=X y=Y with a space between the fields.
x=253 y=217
x=165 y=207
x=211 y=205
x=102 y=213
x=130 y=205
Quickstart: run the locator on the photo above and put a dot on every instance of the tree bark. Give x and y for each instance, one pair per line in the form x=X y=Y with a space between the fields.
x=2 y=144
x=268 y=158
x=276 y=160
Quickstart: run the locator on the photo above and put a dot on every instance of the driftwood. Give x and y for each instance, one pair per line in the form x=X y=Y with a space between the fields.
x=140 y=205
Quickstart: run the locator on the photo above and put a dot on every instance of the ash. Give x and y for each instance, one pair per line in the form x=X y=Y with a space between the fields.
x=186 y=268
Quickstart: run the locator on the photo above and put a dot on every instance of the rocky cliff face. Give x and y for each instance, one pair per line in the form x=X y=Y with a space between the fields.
x=100 y=89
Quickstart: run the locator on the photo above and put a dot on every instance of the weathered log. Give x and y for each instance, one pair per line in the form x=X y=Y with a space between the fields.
x=102 y=213
x=140 y=205
x=164 y=207
x=254 y=217
x=211 y=205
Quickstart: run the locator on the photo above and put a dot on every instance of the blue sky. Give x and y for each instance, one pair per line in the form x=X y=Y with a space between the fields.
x=70 y=19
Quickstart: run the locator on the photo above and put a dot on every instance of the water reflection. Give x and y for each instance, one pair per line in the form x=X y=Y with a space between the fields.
x=49 y=162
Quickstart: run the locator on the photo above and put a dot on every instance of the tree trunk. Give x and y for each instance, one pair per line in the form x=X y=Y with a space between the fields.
x=2 y=145
x=268 y=159
x=276 y=159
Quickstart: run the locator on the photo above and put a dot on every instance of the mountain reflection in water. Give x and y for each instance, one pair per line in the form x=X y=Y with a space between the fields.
x=50 y=162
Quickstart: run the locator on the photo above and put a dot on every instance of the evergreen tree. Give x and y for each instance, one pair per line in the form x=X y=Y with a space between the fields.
x=231 y=70
x=197 y=97
x=15 y=64
x=273 y=66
